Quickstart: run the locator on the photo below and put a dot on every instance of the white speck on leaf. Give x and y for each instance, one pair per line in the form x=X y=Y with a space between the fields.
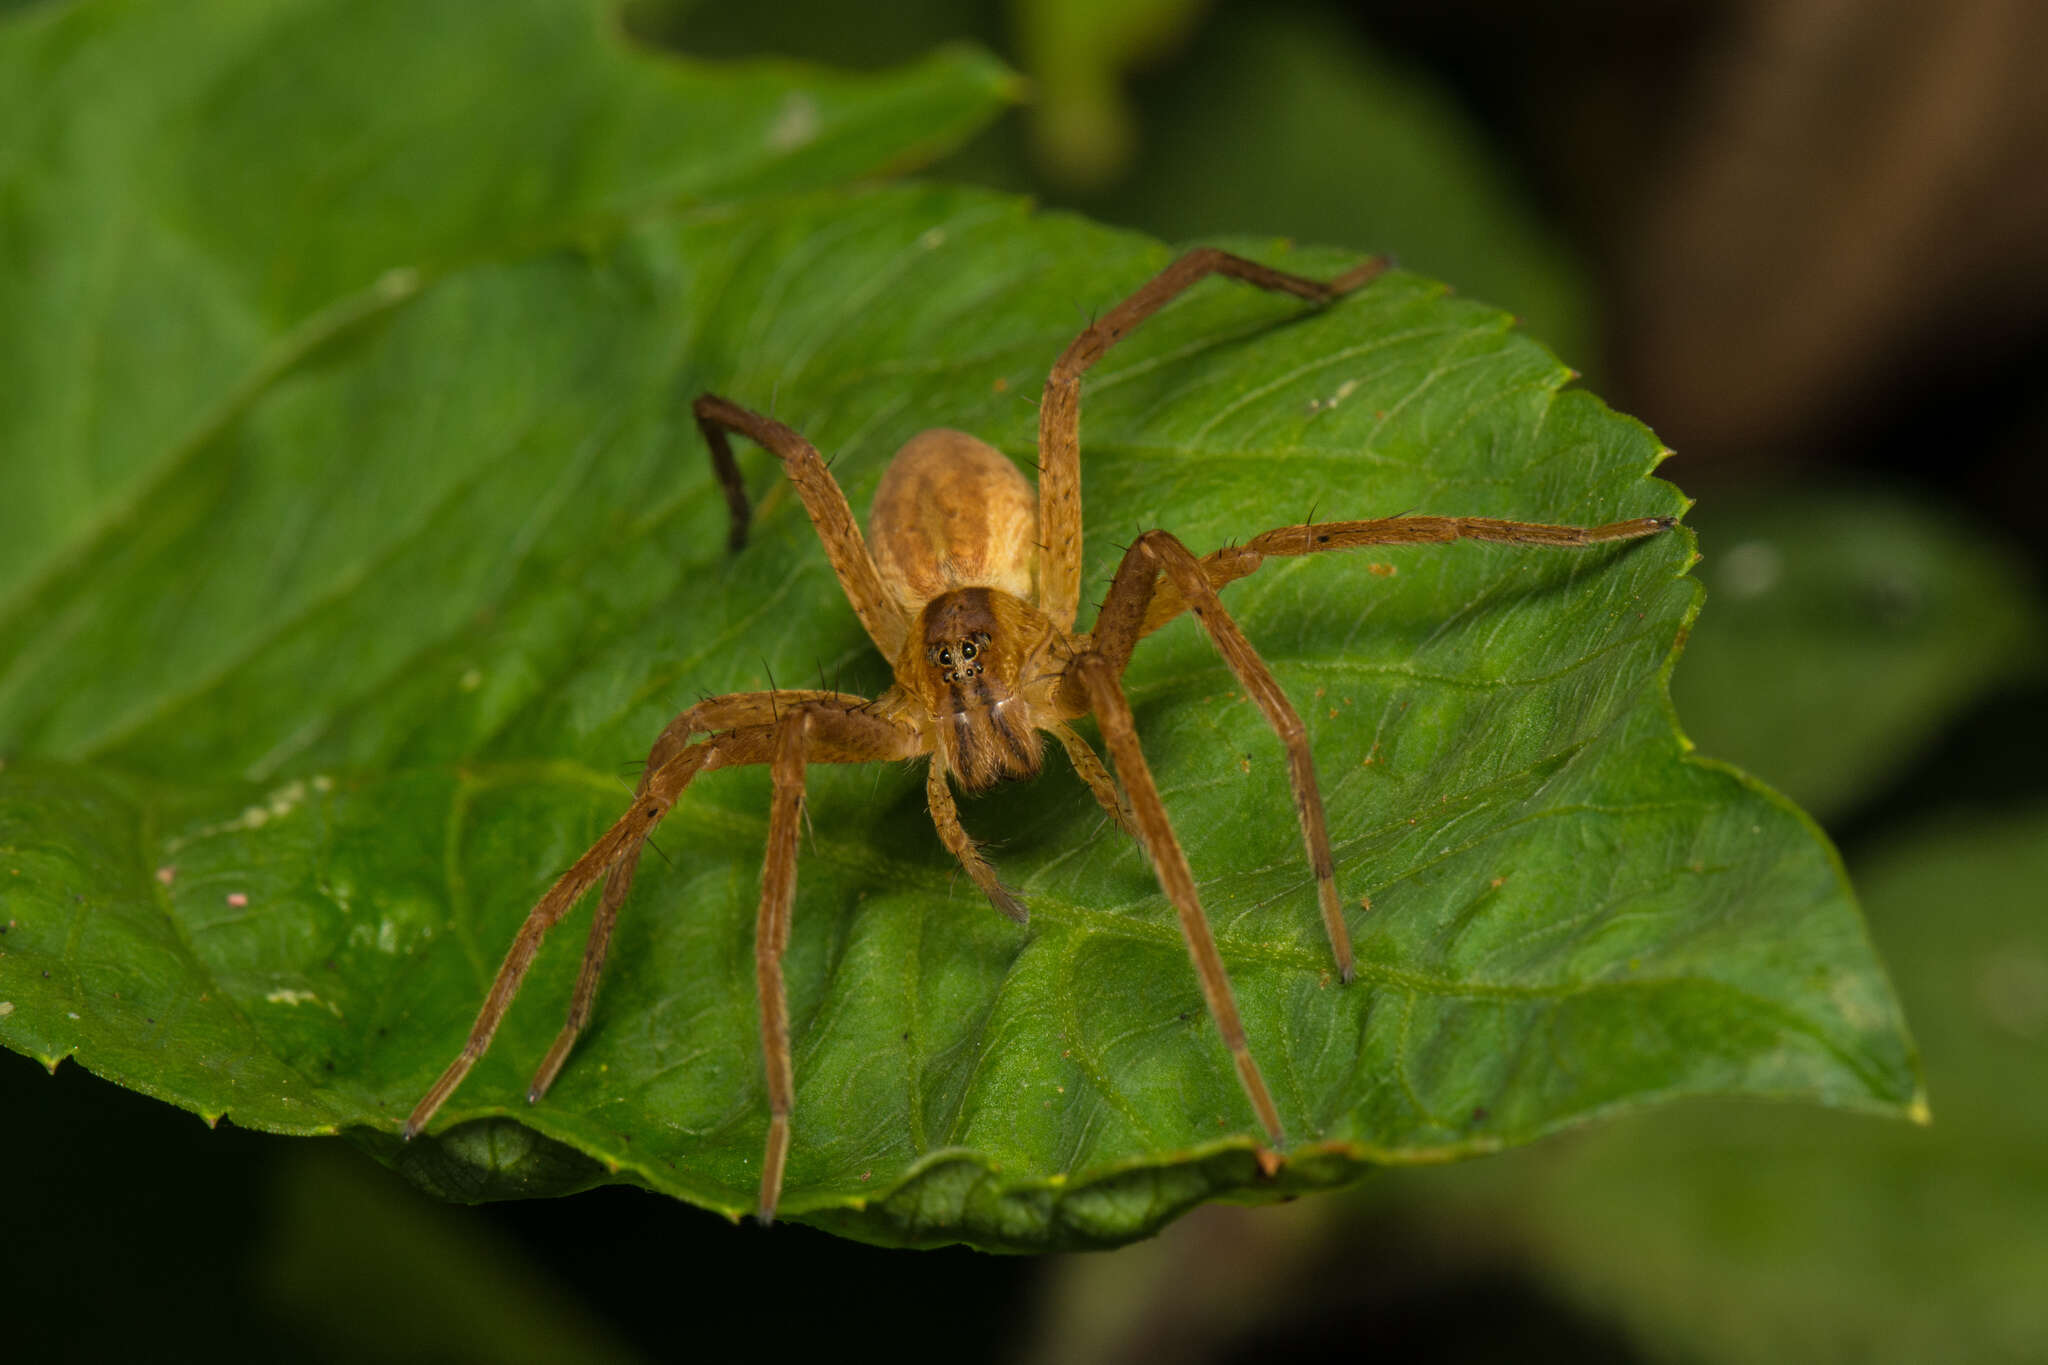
x=795 y=125
x=1344 y=391
x=398 y=282
x=287 y=996
x=276 y=805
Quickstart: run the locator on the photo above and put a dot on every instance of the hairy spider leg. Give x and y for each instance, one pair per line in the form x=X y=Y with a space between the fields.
x=1059 y=409
x=1116 y=632
x=1236 y=561
x=731 y=712
x=884 y=618
x=1096 y=679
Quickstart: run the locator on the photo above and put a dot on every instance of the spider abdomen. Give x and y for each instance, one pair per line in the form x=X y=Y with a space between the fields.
x=952 y=512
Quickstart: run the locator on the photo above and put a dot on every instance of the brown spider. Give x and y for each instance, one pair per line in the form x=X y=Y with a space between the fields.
x=970 y=586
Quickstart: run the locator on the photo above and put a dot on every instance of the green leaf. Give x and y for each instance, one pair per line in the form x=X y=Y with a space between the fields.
x=195 y=193
x=1739 y=1233
x=1848 y=627
x=311 y=728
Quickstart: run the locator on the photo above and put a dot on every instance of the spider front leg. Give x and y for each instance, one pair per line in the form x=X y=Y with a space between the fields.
x=1059 y=410
x=836 y=735
x=1116 y=632
x=731 y=712
x=1094 y=677
x=1227 y=565
x=781 y=729
x=658 y=793
x=883 y=617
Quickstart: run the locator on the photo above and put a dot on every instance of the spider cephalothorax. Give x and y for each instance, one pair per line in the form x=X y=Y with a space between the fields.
x=979 y=644
x=969 y=583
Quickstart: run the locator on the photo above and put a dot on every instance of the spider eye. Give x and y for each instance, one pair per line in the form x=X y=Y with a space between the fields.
x=968 y=651
x=945 y=658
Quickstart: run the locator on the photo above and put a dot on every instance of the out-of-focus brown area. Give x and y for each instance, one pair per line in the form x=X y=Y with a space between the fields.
x=1853 y=185
x=1808 y=217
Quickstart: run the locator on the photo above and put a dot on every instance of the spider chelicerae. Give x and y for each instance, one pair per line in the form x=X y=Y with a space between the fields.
x=968 y=581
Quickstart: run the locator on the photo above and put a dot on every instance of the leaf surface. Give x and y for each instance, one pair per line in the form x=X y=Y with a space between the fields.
x=1750 y=1233
x=196 y=193
x=312 y=728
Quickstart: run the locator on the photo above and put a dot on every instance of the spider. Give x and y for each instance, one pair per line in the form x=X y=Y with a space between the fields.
x=969 y=584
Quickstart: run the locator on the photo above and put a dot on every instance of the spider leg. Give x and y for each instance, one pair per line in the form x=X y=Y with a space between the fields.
x=841 y=736
x=1059 y=410
x=781 y=729
x=730 y=712
x=1235 y=562
x=1116 y=631
x=885 y=620
x=659 y=790
x=1096 y=677
x=946 y=815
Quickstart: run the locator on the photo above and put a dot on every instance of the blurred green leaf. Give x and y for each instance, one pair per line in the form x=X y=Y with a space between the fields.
x=1745 y=1233
x=1078 y=54
x=1847 y=628
x=195 y=193
x=1282 y=119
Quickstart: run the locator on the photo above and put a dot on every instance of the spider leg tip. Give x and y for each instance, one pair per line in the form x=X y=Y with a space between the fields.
x=1007 y=901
